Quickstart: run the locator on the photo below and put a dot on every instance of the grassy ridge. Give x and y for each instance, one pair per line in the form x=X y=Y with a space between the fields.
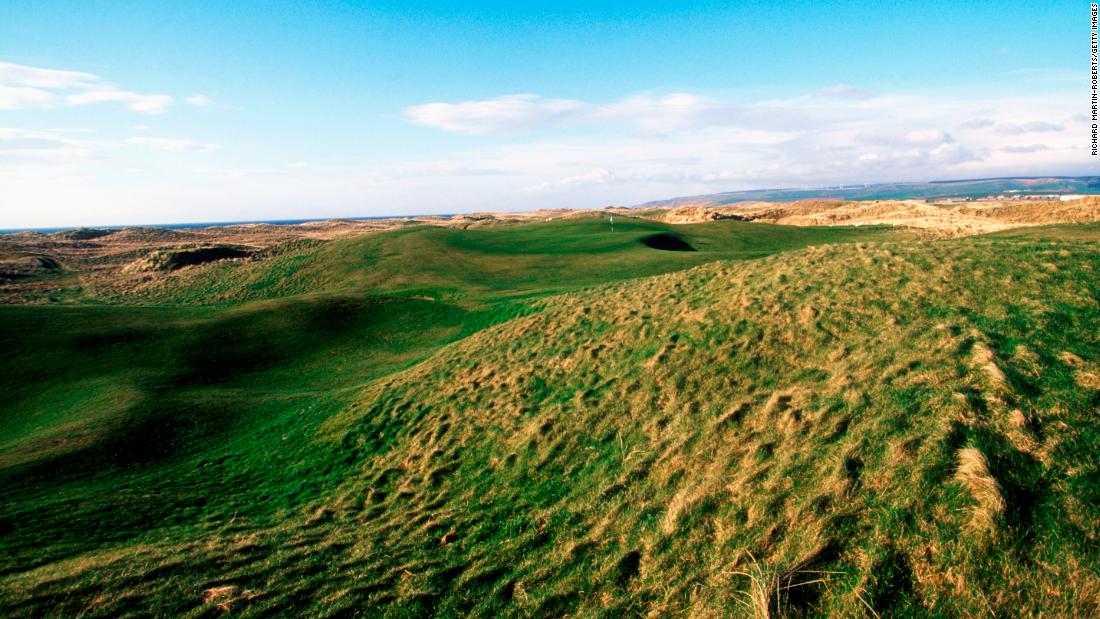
x=907 y=426
x=492 y=262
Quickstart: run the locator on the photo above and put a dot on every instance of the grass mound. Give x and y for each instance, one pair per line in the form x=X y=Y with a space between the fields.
x=147 y=234
x=83 y=234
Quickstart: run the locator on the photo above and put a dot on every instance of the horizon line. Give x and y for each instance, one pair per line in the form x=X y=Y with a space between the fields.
x=297 y=221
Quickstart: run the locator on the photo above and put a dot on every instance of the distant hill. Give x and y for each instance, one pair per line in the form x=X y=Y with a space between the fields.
x=973 y=188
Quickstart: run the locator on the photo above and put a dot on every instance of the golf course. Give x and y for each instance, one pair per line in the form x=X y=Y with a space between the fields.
x=564 y=418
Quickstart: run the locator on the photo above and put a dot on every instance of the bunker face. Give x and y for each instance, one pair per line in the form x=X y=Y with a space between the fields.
x=28 y=266
x=666 y=242
x=208 y=254
x=190 y=257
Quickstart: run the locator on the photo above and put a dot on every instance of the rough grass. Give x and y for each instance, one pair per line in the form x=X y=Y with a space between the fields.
x=810 y=433
x=973 y=472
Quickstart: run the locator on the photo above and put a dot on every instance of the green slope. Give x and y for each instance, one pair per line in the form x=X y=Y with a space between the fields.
x=118 y=417
x=491 y=263
x=763 y=411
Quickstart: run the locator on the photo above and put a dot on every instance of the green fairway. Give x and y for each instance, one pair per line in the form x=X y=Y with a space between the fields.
x=556 y=418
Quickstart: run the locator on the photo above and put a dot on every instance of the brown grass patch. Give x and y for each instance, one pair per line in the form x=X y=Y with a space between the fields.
x=983 y=358
x=1088 y=380
x=973 y=472
x=1069 y=358
x=680 y=504
x=1022 y=433
x=224 y=597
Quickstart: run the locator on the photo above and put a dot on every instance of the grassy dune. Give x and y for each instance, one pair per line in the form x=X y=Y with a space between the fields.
x=799 y=422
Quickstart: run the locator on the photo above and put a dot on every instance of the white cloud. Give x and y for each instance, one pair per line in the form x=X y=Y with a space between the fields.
x=671 y=112
x=18 y=98
x=1036 y=126
x=953 y=153
x=503 y=114
x=653 y=114
x=595 y=176
x=928 y=136
x=198 y=100
x=976 y=123
x=24 y=87
x=684 y=143
x=50 y=79
x=525 y=112
x=1026 y=148
x=173 y=144
x=146 y=104
x=844 y=91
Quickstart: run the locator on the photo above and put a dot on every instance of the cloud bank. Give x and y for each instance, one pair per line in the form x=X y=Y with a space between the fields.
x=511 y=113
x=684 y=142
x=524 y=151
x=24 y=87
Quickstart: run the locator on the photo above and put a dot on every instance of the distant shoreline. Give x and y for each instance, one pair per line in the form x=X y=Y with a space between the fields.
x=217 y=224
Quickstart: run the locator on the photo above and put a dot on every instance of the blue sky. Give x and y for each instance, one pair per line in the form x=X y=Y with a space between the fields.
x=142 y=112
